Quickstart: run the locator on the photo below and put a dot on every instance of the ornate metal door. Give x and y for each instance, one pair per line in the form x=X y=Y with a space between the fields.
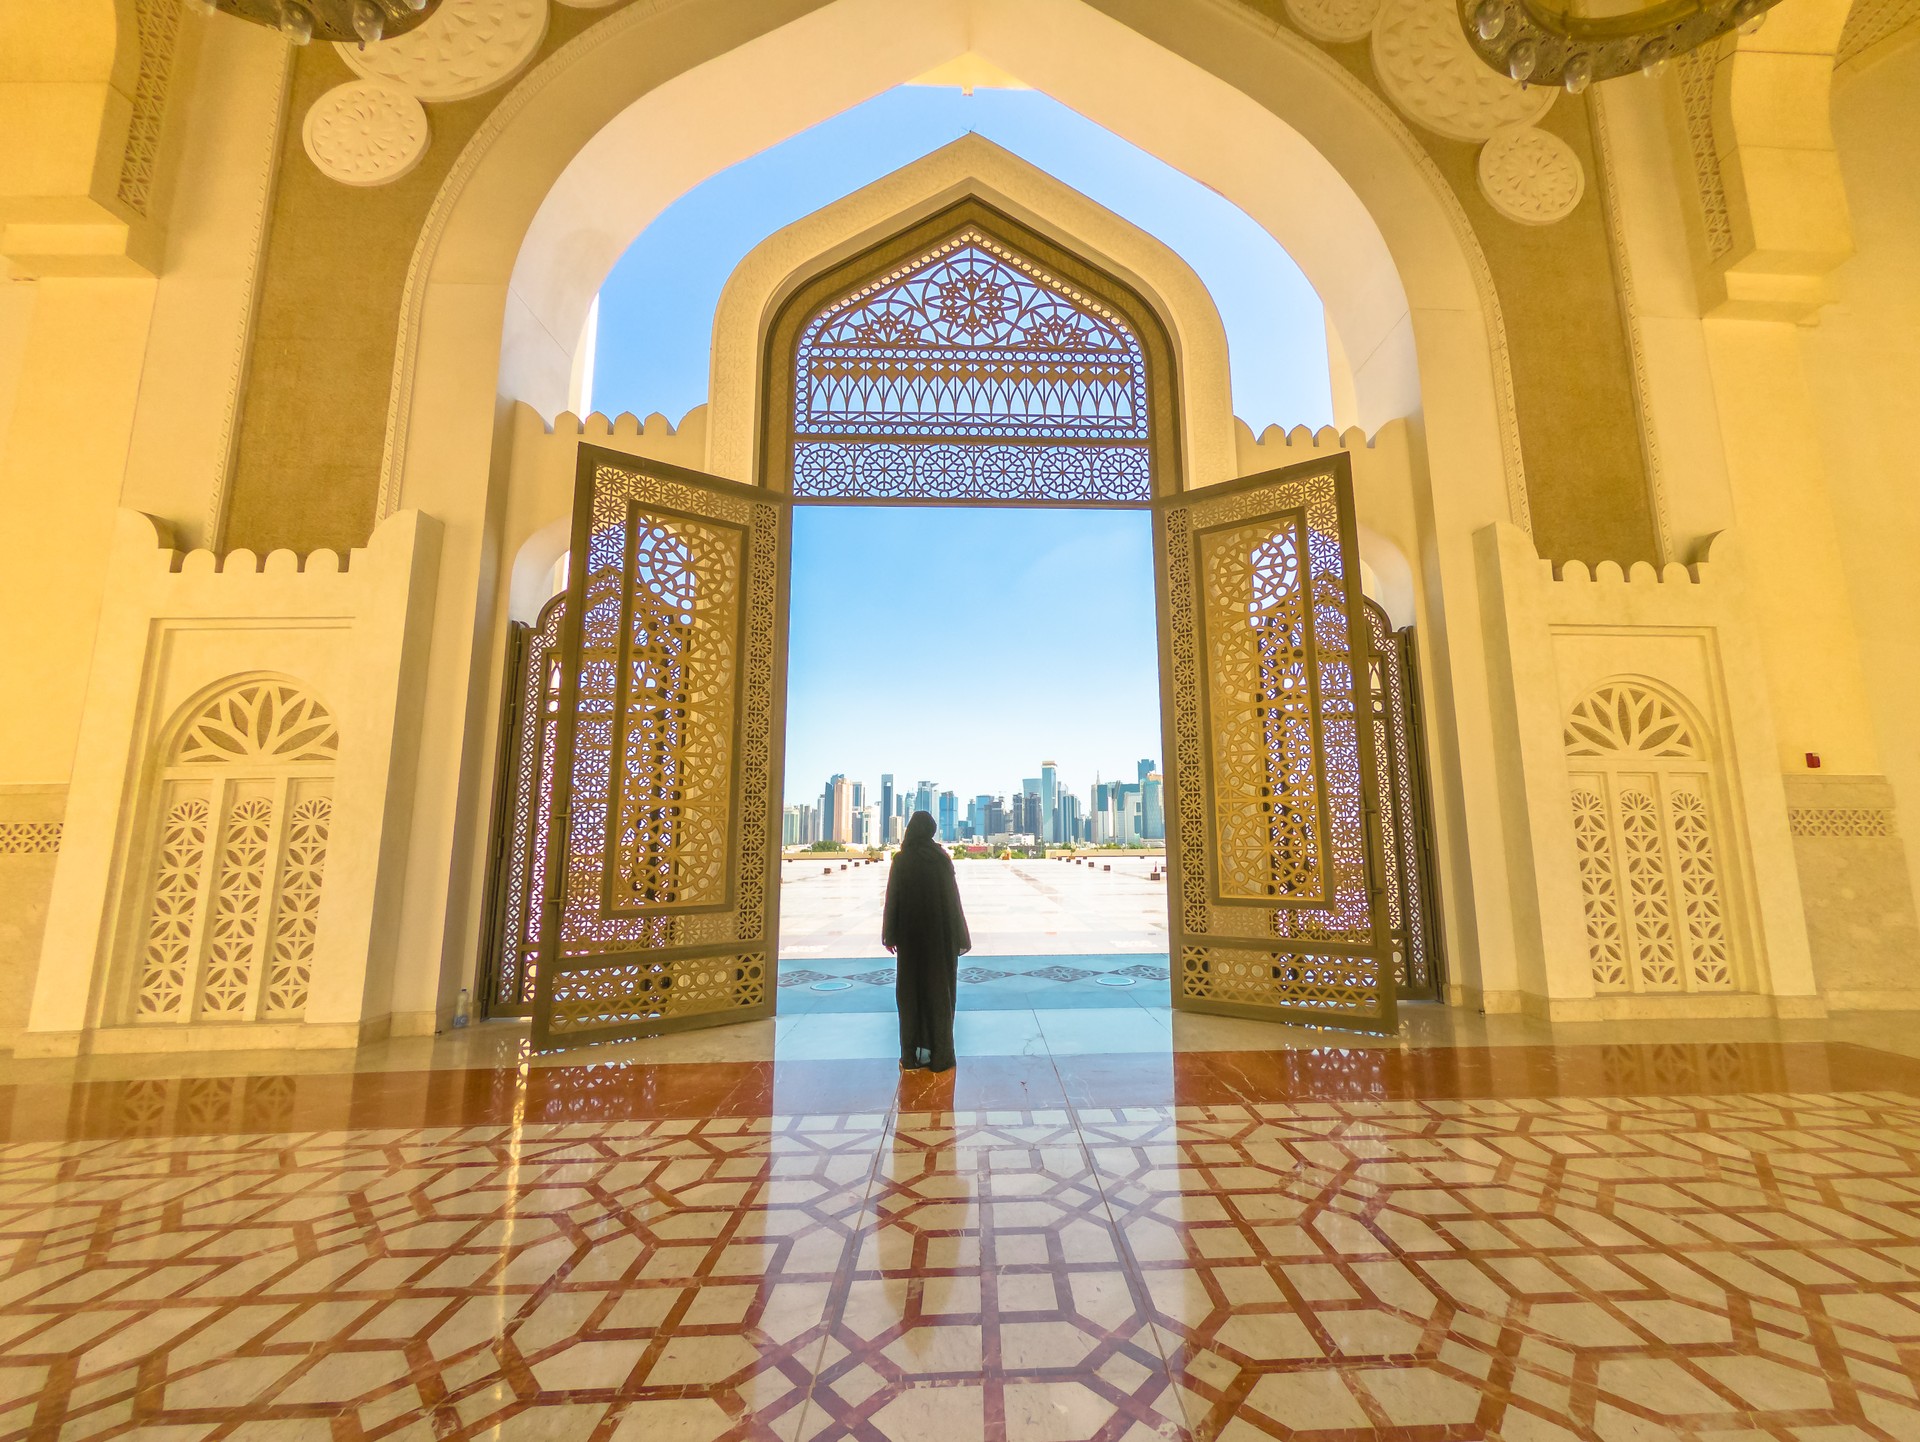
x=1400 y=777
x=659 y=909
x=522 y=815
x=1273 y=831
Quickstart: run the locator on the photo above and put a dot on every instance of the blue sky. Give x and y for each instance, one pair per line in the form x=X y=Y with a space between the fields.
x=966 y=645
x=959 y=645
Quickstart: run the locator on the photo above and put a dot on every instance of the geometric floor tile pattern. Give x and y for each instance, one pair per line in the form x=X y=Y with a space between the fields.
x=1714 y=1265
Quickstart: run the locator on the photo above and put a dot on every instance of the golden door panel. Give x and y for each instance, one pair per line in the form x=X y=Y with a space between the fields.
x=661 y=916
x=1273 y=836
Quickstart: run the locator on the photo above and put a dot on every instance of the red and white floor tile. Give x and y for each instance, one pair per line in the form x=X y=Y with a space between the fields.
x=1515 y=1243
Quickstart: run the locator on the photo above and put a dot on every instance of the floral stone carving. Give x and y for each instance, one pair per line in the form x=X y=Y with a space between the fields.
x=1338 y=22
x=1530 y=176
x=1430 y=72
x=367 y=132
x=466 y=49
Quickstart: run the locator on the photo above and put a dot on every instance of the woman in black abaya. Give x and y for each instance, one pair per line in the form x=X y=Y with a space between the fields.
x=925 y=928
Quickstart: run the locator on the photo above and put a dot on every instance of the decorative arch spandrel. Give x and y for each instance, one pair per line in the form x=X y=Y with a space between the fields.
x=969 y=360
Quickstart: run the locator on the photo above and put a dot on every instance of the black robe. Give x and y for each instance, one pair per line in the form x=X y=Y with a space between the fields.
x=925 y=925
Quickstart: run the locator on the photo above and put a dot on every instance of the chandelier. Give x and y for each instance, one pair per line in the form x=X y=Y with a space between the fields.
x=1576 y=42
x=365 y=21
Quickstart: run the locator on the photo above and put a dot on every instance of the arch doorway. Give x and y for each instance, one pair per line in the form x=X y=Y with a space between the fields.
x=966 y=361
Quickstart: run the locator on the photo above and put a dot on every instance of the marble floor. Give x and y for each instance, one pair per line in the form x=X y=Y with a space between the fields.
x=1112 y=1225
x=831 y=909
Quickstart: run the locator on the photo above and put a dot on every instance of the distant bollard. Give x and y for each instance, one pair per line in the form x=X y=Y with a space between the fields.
x=828 y=870
x=1108 y=867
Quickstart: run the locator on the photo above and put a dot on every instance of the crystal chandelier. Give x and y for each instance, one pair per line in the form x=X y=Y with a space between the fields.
x=365 y=21
x=1573 y=43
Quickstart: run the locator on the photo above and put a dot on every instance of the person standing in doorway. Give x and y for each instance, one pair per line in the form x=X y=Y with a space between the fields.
x=926 y=930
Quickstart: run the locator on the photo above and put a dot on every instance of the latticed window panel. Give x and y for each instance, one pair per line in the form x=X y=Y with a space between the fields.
x=1272 y=751
x=238 y=852
x=969 y=372
x=296 y=924
x=1645 y=842
x=667 y=698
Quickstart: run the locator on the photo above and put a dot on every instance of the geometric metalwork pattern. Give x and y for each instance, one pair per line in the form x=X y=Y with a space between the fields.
x=1273 y=838
x=656 y=897
x=1400 y=778
x=970 y=373
x=230 y=909
x=1643 y=804
x=673 y=1265
x=525 y=823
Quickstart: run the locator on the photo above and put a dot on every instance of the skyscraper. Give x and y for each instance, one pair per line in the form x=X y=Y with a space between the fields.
x=859 y=835
x=1049 y=829
x=1147 y=764
x=841 y=814
x=949 y=816
x=923 y=797
x=886 y=802
x=1153 y=820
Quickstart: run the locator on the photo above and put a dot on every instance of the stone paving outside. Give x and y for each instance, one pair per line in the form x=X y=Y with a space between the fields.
x=1045 y=934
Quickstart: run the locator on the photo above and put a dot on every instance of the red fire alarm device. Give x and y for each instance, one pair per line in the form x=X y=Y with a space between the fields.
x=1813 y=761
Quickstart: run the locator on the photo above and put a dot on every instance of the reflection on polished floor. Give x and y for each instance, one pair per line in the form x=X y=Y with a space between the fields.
x=1101 y=1225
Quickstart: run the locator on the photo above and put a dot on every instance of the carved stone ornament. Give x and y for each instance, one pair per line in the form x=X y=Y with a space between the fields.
x=366 y=132
x=1530 y=176
x=1430 y=72
x=466 y=49
x=1338 y=22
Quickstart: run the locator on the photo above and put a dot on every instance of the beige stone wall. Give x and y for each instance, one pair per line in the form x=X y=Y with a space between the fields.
x=1862 y=367
x=1861 y=927
x=307 y=469
x=30 y=819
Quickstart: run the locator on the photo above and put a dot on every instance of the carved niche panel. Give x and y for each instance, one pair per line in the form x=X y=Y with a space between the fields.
x=465 y=49
x=1646 y=844
x=239 y=854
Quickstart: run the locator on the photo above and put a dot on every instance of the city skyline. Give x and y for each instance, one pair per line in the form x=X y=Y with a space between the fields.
x=1044 y=810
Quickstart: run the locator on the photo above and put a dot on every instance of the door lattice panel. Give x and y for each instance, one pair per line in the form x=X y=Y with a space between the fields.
x=525 y=822
x=1273 y=837
x=657 y=916
x=1400 y=780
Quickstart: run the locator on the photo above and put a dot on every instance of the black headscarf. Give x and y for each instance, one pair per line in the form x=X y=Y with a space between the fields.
x=920 y=829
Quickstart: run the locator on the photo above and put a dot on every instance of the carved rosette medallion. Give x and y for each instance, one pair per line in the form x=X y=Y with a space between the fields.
x=1431 y=73
x=1338 y=22
x=466 y=49
x=366 y=132
x=1530 y=176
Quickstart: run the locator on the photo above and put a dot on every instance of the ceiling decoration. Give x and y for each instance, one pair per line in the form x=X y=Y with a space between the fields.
x=1338 y=22
x=367 y=132
x=1428 y=70
x=1530 y=176
x=466 y=49
x=1573 y=43
x=354 y=21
